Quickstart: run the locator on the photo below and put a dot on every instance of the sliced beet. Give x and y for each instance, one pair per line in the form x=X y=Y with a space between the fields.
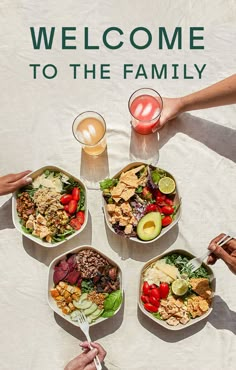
x=72 y=277
x=64 y=265
x=59 y=275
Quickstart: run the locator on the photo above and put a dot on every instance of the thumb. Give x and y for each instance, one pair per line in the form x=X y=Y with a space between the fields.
x=21 y=182
x=89 y=356
x=220 y=252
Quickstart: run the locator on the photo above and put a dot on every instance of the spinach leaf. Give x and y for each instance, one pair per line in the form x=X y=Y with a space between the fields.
x=112 y=303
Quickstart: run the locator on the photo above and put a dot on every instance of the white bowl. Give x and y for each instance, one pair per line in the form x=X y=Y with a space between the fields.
x=16 y=218
x=164 y=229
x=51 y=284
x=162 y=322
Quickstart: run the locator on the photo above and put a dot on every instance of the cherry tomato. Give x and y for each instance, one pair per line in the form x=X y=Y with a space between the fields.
x=154 y=301
x=155 y=293
x=80 y=216
x=72 y=206
x=76 y=194
x=65 y=199
x=66 y=207
x=146 y=193
x=144 y=298
x=164 y=290
x=149 y=307
x=145 y=288
x=169 y=202
x=161 y=195
x=151 y=208
x=152 y=286
x=75 y=224
x=167 y=210
x=166 y=221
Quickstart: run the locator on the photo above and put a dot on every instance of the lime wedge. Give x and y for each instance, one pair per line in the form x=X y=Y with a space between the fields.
x=166 y=185
x=179 y=287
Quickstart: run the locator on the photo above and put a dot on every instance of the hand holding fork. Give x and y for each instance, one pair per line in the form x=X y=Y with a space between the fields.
x=84 y=326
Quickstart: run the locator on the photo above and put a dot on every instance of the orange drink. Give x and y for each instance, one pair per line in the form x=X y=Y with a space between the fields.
x=89 y=128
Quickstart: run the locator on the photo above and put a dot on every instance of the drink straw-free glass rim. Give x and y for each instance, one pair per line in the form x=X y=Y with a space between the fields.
x=150 y=89
x=102 y=120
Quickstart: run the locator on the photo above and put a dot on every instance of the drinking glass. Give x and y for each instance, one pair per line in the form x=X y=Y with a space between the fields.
x=145 y=106
x=89 y=128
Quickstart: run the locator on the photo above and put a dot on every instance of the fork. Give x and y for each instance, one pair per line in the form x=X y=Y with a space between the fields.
x=196 y=262
x=84 y=326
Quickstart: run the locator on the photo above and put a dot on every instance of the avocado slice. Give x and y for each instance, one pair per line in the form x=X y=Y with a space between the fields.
x=149 y=226
x=83 y=305
x=91 y=309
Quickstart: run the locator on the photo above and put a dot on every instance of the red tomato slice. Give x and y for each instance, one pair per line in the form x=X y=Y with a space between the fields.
x=155 y=293
x=72 y=206
x=164 y=290
x=80 y=216
x=65 y=199
x=66 y=207
x=75 y=224
x=76 y=194
x=149 y=307
x=144 y=298
x=145 y=288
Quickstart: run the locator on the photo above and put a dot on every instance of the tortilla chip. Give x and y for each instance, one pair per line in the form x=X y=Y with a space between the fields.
x=128 y=193
x=117 y=190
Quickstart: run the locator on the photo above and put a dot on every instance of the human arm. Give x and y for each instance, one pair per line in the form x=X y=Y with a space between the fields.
x=220 y=93
x=227 y=254
x=85 y=360
x=10 y=183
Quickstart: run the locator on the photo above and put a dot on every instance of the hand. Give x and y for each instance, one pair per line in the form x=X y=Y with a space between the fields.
x=10 y=183
x=85 y=360
x=172 y=107
x=227 y=253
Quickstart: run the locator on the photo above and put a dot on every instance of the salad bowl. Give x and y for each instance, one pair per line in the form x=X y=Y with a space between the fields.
x=84 y=281
x=64 y=182
x=139 y=204
x=188 y=303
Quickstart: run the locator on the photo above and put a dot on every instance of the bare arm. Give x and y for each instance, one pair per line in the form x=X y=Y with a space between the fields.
x=221 y=93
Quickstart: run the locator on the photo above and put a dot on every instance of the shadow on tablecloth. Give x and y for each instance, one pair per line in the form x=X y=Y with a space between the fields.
x=6 y=216
x=46 y=255
x=97 y=331
x=126 y=248
x=218 y=138
x=94 y=169
x=221 y=317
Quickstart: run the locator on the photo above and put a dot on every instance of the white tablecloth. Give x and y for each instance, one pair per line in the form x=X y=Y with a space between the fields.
x=199 y=149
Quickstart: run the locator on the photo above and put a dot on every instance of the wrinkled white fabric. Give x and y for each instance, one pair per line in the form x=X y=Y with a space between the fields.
x=198 y=149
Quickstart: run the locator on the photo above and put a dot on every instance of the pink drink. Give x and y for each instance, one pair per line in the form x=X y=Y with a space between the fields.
x=145 y=110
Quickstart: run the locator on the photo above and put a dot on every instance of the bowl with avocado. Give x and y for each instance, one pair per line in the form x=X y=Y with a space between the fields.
x=84 y=279
x=141 y=202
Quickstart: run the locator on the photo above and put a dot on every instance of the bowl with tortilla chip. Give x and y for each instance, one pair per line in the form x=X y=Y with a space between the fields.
x=141 y=202
x=171 y=294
